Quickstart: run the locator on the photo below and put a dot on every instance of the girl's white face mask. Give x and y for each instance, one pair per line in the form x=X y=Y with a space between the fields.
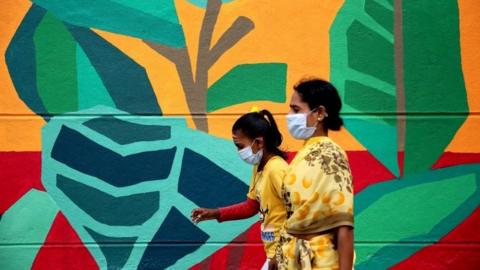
x=247 y=155
x=297 y=126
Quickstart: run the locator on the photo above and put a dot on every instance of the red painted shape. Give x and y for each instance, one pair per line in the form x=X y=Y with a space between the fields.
x=253 y=256
x=366 y=170
x=219 y=261
x=290 y=156
x=449 y=159
x=244 y=252
x=19 y=172
x=401 y=162
x=63 y=248
x=459 y=249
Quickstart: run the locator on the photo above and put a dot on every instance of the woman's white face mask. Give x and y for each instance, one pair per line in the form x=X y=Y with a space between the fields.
x=247 y=155
x=297 y=126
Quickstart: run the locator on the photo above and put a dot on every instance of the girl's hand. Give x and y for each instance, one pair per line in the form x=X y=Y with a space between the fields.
x=201 y=214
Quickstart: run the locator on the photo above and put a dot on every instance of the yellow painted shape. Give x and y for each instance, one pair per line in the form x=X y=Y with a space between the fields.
x=17 y=133
x=466 y=139
x=280 y=43
x=20 y=133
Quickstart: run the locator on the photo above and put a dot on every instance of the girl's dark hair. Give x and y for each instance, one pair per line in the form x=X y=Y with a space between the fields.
x=261 y=124
x=317 y=92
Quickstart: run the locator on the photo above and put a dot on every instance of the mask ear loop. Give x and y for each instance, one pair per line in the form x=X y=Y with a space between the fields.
x=325 y=114
x=253 y=142
x=256 y=179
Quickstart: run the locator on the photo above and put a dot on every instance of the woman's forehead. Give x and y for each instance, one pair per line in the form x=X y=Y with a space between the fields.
x=296 y=101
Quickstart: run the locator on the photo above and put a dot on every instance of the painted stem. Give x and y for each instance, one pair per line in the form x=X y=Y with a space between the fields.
x=399 y=76
x=195 y=85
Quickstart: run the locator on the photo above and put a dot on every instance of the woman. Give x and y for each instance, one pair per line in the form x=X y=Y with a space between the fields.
x=317 y=191
x=257 y=138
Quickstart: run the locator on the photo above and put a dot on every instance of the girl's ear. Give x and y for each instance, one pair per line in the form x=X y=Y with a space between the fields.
x=260 y=142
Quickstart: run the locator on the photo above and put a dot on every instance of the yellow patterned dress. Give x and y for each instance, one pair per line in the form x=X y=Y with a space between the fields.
x=318 y=195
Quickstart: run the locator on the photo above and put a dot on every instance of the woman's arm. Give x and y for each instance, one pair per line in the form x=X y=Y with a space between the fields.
x=241 y=210
x=345 y=247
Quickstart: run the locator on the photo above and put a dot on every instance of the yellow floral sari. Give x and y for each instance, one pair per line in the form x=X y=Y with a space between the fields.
x=318 y=195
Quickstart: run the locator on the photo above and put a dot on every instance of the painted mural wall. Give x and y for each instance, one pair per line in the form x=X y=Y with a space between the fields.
x=116 y=115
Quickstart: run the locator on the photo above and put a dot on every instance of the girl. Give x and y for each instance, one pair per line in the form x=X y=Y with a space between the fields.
x=317 y=191
x=257 y=138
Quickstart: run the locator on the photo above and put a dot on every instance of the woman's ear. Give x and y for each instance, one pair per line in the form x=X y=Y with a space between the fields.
x=322 y=113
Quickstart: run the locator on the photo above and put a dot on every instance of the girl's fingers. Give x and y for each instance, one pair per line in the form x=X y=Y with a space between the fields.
x=197 y=211
x=197 y=215
x=201 y=214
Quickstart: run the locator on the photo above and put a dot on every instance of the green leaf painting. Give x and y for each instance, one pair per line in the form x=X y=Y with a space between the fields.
x=393 y=67
x=156 y=21
x=248 y=82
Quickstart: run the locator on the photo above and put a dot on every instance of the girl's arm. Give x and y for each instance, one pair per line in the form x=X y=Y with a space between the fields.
x=345 y=247
x=245 y=209
x=241 y=210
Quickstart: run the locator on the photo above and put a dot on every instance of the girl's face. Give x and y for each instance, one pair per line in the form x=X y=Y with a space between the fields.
x=241 y=141
x=297 y=105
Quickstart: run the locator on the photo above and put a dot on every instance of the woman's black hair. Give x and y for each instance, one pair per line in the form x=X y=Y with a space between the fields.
x=261 y=124
x=317 y=92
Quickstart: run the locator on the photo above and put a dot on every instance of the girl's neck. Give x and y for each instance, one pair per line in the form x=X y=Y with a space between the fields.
x=266 y=157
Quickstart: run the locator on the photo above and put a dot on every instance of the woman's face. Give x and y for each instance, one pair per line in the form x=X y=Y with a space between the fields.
x=297 y=105
x=241 y=141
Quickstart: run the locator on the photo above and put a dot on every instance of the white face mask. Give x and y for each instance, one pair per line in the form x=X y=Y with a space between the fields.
x=297 y=126
x=249 y=157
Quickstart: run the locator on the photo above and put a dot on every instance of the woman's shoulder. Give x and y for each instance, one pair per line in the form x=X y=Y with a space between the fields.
x=325 y=150
x=326 y=146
